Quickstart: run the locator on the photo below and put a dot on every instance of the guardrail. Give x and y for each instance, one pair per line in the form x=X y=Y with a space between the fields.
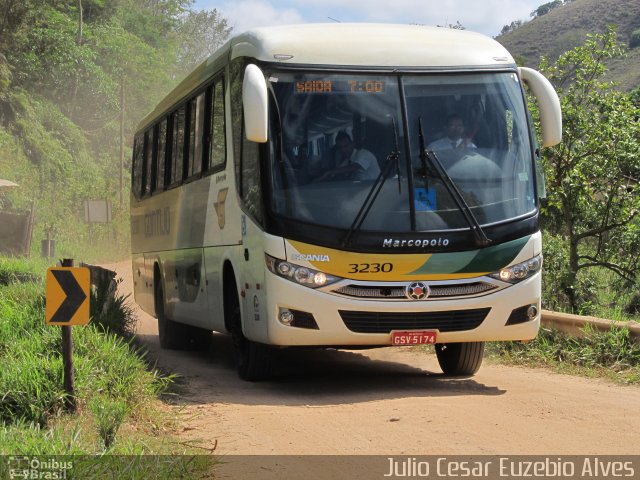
x=573 y=324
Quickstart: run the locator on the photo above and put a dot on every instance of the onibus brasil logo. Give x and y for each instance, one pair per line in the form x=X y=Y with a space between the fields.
x=34 y=468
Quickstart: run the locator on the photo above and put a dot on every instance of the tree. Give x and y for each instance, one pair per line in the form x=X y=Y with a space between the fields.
x=201 y=33
x=593 y=176
x=456 y=26
x=511 y=27
x=546 y=8
x=67 y=68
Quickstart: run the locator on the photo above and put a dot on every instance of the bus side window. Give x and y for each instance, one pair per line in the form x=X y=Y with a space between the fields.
x=190 y=136
x=177 y=156
x=197 y=131
x=218 y=154
x=246 y=154
x=251 y=184
x=236 y=69
x=147 y=175
x=138 y=156
x=162 y=148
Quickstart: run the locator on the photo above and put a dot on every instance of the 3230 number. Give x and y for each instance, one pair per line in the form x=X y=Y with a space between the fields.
x=370 y=267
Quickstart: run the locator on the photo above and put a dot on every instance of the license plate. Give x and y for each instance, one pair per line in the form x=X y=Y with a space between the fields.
x=413 y=337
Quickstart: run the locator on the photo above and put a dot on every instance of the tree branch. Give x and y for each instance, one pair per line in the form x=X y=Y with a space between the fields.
x=617 y=269
x=604 y=228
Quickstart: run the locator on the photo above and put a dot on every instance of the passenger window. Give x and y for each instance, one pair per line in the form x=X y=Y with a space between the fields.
x=218 y=141
x=177 y=163
x=191 y=138
x=149 y=138
x=138 y=157
x=197 y=129
x=162 y=148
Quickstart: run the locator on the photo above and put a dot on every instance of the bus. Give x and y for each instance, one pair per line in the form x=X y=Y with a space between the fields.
x=293 y=191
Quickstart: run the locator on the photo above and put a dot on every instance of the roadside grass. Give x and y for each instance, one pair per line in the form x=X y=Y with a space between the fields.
x=613 y=302
x=19 y=270
x=602 y=293
x=117 y=392
x=614 y=354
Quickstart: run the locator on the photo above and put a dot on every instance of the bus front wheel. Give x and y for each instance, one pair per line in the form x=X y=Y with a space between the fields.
x=460 y=359
x=254 y=360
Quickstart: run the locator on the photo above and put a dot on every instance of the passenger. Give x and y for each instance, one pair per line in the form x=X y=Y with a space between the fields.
x=350 y=162
x=454 y=138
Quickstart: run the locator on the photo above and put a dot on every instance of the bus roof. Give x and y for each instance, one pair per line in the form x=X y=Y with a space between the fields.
x=361 y=44
x=356 y=45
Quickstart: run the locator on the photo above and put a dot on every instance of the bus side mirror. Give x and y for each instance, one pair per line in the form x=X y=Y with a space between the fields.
x=255 y=100
x=548 y=103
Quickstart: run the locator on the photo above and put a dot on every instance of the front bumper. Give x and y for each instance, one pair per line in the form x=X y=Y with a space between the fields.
x=332 y=330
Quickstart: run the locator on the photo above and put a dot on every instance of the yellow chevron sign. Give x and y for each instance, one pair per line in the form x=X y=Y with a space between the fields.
x=67 y=296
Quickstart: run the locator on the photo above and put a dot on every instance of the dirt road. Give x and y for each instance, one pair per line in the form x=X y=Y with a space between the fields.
x=391 y=402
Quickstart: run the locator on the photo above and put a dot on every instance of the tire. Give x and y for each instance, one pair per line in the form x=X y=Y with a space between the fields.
x=254 y=360
x=177 y=336
x=198 y=339
x=460 y=359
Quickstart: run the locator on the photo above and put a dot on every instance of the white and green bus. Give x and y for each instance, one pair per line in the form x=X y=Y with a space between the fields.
x=304 y=187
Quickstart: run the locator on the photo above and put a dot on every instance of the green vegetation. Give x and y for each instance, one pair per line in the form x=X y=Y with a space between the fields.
x=117 y=392
x=592 y=179
x=590 y=218
x=634 y=41
x=566 y=26
x=72 y=74
x=546 y=8
x=613 y=354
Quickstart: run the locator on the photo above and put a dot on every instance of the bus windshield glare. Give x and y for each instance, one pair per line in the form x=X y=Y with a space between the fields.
x=344 y=140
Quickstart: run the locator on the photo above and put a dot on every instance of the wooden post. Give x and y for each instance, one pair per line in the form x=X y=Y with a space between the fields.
x=32 y=216
x=122 y=140
x=67 y=359
x=49 y=252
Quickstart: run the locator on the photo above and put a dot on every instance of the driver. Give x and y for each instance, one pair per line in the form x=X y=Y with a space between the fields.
x=454 y=136
x=353 y=163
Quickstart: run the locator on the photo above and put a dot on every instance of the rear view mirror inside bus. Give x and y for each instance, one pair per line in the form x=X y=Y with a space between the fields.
x=256 y=101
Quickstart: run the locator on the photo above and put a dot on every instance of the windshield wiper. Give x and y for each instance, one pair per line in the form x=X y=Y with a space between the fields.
x=374 y=191
x=425 y=170
x=481 y=239
x=394 y=156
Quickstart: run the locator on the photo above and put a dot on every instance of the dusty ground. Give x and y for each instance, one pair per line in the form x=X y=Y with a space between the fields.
x=391 y=402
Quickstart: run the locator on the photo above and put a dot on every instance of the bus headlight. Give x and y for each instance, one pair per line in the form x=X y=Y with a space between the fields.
x=519 y=271
x=300 y=275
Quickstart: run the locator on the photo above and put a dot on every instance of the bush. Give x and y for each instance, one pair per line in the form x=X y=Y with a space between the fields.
x=108 y=415
x=634 y=41
x=555 y=275
x=633 y=307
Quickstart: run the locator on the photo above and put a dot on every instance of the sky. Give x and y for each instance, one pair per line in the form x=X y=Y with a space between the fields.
x=484 y=16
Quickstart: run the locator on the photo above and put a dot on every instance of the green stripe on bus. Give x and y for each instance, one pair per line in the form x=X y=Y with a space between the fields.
x=488 y=259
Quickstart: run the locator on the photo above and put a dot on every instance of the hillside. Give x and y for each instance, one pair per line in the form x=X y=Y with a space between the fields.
x=566 y=27
x=75 y=79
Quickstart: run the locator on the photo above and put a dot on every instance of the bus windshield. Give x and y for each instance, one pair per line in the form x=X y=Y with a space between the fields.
x=344 y=140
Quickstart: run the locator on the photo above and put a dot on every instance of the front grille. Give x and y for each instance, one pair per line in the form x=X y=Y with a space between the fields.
x=384 y=322
x=397 y=292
